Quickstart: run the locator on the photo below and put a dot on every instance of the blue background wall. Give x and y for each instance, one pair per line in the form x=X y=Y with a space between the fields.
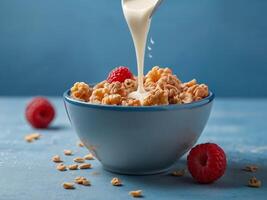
x=46 y=45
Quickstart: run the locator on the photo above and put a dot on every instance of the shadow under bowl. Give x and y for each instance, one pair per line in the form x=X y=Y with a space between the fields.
x=138 y=140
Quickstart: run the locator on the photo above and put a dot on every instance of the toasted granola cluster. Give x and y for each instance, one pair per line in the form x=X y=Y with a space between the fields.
x=81 y=91
x=162 y=85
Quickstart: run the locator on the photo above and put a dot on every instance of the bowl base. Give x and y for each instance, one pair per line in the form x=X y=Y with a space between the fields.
x=137 y=173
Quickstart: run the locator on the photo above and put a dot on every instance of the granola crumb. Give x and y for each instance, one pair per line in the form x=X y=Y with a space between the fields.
x=32 y=137
x=78 y=160
x=56 y=159
x=89 y=157
x=251 y=168
x=73 y=167
x=116 y=181
x=136 y=193
x=61 y=167
x=68 y=152
x=85 y=166
x=179 y=173
x=80 y=144
x=254 y=182
x=68 y=186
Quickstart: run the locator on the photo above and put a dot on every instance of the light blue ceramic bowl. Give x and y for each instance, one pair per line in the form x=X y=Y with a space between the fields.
x=138 y=140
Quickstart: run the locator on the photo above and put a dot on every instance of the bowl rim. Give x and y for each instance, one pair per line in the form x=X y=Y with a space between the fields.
x=202 y=102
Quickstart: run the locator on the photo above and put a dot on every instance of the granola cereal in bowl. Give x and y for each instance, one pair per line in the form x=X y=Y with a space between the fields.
x=161 y=85
x=143 y=135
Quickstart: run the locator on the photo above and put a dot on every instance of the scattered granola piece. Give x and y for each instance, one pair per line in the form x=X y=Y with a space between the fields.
x=28 y=139
x=82 y=181
x=86 y=183
x=78 y=160
x=68 y=186
x=136 y=193
x=89 y=157
x=254 y=182
x=32 y=137
x=61 y=167
x=80 y=144
x=251 y=168
x=68 y=152
x=56 y=159
x=116 y=182
x=179 y=173
x=79 y=179
x=73 y=167
x=85 y=166
x=36 y=135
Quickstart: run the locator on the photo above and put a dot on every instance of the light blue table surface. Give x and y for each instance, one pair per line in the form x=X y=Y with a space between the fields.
x=26 y=170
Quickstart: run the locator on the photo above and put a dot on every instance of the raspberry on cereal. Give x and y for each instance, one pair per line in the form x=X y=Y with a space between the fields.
x=119 y=74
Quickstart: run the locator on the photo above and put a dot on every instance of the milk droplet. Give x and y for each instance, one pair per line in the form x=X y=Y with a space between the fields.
x=152 y=41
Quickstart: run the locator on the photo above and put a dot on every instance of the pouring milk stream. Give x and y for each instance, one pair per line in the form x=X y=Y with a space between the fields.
x=138 y=16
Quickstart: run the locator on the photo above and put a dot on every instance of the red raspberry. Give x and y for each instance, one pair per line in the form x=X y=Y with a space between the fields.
x=119 y=74
x=206 y=162
x=40 y=112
